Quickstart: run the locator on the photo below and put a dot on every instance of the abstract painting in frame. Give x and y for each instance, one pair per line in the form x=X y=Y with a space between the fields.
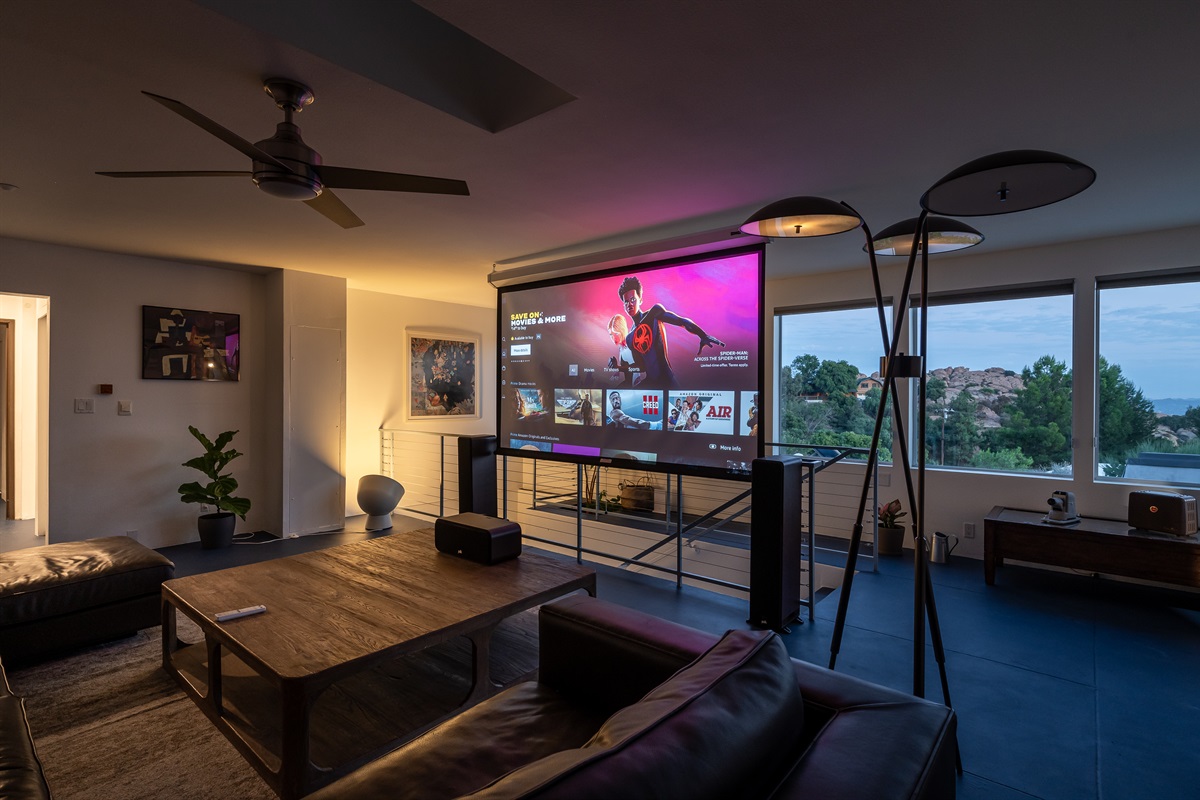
x=182 y=344
x=443 y=375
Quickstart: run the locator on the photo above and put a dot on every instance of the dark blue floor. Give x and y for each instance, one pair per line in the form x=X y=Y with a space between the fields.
x=1066 y=686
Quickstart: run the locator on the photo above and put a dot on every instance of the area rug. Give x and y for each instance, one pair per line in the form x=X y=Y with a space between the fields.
x=110 y=724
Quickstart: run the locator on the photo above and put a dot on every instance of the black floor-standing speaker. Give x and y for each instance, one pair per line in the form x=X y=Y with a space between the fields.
x=775 y=507
x=477 y=475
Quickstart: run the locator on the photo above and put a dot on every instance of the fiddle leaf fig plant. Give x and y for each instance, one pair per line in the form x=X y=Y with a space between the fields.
x=218 y=492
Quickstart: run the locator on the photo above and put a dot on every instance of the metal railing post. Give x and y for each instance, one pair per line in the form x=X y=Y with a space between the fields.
x=678 y=529
x=579 y=513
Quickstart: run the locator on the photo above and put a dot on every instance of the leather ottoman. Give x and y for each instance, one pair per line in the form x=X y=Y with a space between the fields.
x=71 y=594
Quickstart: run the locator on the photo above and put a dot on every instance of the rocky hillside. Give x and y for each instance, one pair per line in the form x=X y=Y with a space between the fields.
x=994 y=387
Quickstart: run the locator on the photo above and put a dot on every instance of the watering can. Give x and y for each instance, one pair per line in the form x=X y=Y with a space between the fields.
x=940 y=550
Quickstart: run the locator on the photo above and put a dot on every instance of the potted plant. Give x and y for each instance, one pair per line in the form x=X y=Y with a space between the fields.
x=216 y=528
x=890 y=539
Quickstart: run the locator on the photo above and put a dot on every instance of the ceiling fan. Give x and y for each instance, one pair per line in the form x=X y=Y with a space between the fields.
x=284 y=166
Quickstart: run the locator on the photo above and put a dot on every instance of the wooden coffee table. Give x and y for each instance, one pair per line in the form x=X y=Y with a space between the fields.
x=323 y=675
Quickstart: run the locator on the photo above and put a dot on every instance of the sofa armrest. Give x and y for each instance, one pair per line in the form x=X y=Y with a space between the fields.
x=21 y=775
x=610 y=655
x=865 y=740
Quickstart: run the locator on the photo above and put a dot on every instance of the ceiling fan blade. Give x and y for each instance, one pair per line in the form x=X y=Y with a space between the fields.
x=347 y=178
x=403 y=46
x=177 y=174
x=224 y=134
x=333 y=208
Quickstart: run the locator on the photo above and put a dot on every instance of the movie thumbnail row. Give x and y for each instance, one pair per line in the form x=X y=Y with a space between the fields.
x=725 y=413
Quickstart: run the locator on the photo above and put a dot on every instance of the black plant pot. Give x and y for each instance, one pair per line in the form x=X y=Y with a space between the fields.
x=216 y=530
x=890 y=541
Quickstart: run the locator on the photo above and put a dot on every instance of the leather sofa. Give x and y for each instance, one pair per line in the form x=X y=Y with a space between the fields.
x=630 y=705
x=21 y=776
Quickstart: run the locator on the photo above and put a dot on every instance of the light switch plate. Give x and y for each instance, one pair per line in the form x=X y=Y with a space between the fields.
x=125 y=407
x=85 y=405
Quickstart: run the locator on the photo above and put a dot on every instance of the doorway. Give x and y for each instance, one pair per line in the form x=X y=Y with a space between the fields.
x=24 y=419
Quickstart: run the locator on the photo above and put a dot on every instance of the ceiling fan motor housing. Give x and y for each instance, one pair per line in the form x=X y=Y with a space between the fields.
x=302 y=181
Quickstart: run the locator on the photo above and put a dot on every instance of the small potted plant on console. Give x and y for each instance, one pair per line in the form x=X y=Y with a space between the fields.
x=890 y=540
x=216 y=528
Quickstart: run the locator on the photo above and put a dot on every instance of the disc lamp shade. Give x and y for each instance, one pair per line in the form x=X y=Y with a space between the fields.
x=1014 y=180
x=798 y=217
x=945 y=235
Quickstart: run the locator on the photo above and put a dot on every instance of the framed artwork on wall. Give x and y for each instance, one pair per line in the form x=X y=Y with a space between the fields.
x=182 y=344
x=443 y=375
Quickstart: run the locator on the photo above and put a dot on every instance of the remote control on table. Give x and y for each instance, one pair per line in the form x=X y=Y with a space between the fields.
x=224 y=616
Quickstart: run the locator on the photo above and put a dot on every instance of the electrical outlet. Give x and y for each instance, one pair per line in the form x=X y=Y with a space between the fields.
x=204 y=508
x=968 y=530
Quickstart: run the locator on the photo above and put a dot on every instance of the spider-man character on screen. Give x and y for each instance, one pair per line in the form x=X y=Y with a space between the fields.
x=648 y=339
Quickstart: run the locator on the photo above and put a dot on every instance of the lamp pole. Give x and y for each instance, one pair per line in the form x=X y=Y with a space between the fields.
x=1001 y=183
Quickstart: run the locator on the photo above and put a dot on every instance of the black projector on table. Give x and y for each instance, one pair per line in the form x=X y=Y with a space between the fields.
x=478 y=537
x=1164 y=512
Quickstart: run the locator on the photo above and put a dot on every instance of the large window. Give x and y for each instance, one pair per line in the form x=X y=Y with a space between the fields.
x=829 y=385
x=1148 y=379
x=999 y=381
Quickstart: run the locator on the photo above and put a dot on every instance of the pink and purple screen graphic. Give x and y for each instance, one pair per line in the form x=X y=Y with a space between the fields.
x=565 y=331
x=695 y=324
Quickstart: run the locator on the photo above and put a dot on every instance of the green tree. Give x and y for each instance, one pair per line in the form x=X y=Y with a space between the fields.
x=1192 y=418
x=935 y=390
x=1038 y=422
x=962 y=431
x=935 y=426
x=834 y=439
x=870 y=404
x=802 y=420
x=802 y=371
x=835 y=378
x=1006 y=459
x=1126 y=416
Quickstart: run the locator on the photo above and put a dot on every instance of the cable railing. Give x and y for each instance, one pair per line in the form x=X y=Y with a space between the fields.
x=426 y=465
x=835 y=508
x=693 y=531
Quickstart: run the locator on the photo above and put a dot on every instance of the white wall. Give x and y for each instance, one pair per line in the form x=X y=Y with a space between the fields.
x=376 y=378
x=108 y=474
x=313 y=382
x=953 y=498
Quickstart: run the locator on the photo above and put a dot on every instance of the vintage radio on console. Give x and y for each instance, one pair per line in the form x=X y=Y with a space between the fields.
x=1165 y=512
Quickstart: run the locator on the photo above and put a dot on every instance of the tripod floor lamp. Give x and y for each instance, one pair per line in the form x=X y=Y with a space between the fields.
x=1001 y=183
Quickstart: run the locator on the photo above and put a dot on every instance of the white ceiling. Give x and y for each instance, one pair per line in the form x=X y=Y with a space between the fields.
x=689 y=115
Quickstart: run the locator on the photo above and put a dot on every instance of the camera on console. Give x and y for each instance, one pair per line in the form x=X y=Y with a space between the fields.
x=1062 y=509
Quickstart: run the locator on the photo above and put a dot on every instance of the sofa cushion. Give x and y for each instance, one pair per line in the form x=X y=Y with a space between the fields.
x=723 y=726
x=55 y=579
x=516 y=727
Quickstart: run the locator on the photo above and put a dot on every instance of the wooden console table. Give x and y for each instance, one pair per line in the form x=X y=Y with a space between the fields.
x=1092 y=545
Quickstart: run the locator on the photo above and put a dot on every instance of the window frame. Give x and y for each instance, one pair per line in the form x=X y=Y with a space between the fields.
x=1063 y=287
x=780 y=312
x=1130 y=280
